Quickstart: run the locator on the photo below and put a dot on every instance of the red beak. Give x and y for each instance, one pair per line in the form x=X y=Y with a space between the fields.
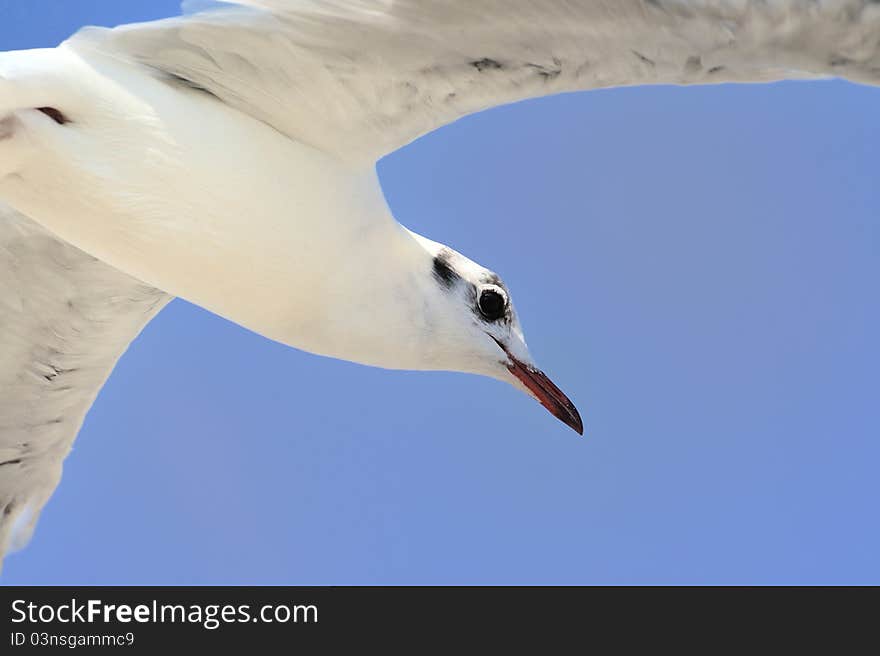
x=547 y=394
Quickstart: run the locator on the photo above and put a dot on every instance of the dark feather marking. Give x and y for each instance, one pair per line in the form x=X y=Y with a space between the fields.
x=7 y=127
x=55 y=114
x=179 y=80
x=443 y=271
x=16 y=461
x=546 y=72
x=643 y=59
x=486 y=64
x=56 y=371
x=693 y=64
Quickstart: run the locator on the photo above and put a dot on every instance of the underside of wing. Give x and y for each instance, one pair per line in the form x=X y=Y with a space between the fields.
x=360 y=78
x=65 y=319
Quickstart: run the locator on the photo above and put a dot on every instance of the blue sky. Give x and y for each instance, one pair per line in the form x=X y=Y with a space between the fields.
x=696 y=267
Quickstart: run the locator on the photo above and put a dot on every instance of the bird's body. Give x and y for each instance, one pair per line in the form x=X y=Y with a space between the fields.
x=182 y=192
x=229 y=159
x=208 y=204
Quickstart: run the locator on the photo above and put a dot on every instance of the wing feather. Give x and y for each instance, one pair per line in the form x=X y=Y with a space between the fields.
x=361 y=78
x=65 y=319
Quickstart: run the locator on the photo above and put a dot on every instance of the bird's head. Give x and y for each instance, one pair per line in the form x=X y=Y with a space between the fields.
x=476 y=330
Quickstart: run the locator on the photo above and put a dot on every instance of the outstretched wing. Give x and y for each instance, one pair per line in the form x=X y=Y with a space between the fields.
x=65 y=318
x=360 y=78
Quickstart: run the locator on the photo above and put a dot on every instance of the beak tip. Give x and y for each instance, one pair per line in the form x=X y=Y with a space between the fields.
x=536 y=383
x=575 y=422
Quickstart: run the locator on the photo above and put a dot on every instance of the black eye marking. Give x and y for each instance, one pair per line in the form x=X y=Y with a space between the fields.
x=443 y=271
x=55 y=114
x=493 y=304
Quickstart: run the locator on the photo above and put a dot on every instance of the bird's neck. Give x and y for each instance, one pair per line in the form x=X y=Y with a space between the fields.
x=373 y=305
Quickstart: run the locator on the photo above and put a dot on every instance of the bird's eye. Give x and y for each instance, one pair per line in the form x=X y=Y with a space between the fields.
x=492 y=304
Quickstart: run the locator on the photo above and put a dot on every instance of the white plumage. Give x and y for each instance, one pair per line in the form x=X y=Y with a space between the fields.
x=228 y=157
x=65 y=318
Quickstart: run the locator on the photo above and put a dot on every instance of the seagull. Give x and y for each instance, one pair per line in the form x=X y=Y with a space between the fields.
x=227 y=156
